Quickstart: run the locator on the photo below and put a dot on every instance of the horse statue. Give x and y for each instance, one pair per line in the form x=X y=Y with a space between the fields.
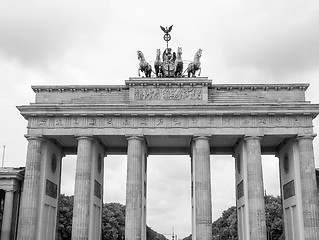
x=143 y=65
x=179 y=63
x=158 y=64
x=195 y=65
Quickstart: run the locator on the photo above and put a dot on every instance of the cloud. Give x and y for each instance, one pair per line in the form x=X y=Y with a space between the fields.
x=37 y=32
x=275 y=44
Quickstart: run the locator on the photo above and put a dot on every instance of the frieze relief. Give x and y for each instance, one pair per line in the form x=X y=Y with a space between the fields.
x=168 y=94
x=169 y=121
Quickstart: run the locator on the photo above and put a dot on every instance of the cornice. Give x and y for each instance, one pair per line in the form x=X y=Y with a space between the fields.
x=77 y=88
x=169 y=82
x=12 y=173
x=264 y=87
x=142 y=110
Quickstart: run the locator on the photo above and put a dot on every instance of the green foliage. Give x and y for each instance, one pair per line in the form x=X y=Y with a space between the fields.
x=65 y=217
x=274 y=221
x=225 y=227
x=153 y=235
x=113 y=221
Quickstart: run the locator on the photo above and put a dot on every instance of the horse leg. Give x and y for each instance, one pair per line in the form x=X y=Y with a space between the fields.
x=139 y=72
x=200 y=71
x=148 y=72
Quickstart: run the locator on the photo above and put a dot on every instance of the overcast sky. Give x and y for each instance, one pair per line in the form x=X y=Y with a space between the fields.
x=95 y=42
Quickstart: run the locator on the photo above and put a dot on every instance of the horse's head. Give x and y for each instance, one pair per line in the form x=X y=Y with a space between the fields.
x=140 y=55
x=179 y=51
x=198 y=54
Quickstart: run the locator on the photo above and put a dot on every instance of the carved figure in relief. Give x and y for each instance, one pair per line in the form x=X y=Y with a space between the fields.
x=58 y=122
x=160 y=122
x=195 y=65
x=109 y=121
x=42 y=122
x=126 y=122
x=92 y=122
x=179 y=63
x=158 y=64
x=143 y=65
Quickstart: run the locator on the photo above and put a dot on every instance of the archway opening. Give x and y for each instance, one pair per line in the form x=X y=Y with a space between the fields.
x=169 y=195
x=223 y=184
x=68 y=175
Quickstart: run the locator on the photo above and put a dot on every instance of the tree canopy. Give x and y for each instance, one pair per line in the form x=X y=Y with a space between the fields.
x=113 y=221
x=225 y=227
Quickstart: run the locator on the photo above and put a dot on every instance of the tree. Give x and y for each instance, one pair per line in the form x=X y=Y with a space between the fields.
x=225 y=227
x=153 y=235
x=113 y=221
x=274 y=224
x=65 y=217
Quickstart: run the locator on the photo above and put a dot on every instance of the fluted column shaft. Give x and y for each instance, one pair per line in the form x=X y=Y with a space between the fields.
x=202 y=188
x=80 y=222
x=308 y=187
x=134 y=185
x=30 y=195
x=255 y=185
x=7 y=216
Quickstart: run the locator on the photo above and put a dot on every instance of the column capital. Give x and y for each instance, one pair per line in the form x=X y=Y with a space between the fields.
x=80 y=137
x=137 y=137
x=34 y=137
x=251 y=137
x=10 y=190
x=203 y=137
x=310 y=136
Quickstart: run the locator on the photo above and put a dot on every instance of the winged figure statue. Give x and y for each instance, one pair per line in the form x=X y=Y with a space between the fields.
x=167 y=29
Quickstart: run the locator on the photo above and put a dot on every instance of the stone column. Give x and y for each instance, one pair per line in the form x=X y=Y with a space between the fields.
x=255 y=185
x=202 y=188
x=134 y=186
x=30 y=195
x=81 y=207
x=7 y=216
x=308 y=187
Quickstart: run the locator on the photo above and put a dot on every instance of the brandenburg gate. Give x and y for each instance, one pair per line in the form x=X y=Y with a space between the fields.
x=183 y=116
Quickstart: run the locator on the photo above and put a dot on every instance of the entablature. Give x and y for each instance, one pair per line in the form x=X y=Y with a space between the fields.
x=96 y=110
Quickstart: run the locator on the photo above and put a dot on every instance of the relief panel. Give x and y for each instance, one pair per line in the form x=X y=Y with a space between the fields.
x=169 y=121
